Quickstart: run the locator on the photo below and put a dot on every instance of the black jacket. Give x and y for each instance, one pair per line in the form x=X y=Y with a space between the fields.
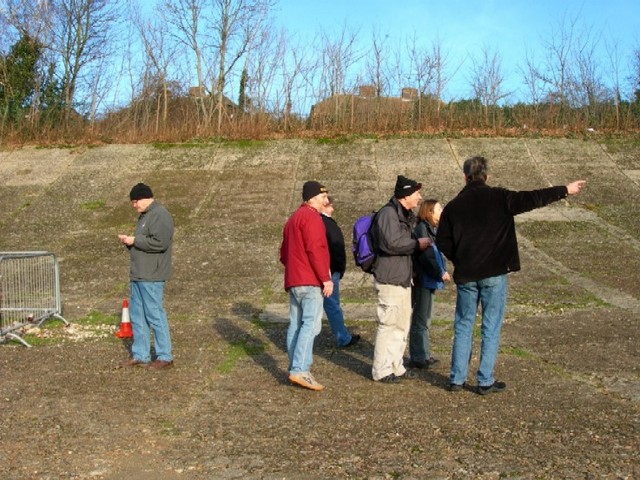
x=335 y=240
x=477 y=231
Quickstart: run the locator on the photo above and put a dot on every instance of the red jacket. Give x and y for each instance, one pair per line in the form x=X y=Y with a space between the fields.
x=304 y=252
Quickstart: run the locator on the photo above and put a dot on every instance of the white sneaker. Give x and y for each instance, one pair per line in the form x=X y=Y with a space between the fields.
x=306 y=380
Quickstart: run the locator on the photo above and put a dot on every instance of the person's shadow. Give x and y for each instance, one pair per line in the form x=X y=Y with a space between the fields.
x=357 y=358
x=241 y=334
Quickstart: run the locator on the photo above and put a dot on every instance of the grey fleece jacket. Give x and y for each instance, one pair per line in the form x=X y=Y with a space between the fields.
x=395 y=244
x=151 y=250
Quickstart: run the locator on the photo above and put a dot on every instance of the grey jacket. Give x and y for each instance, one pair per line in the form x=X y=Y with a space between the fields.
x=395 y=244
x=151 y=250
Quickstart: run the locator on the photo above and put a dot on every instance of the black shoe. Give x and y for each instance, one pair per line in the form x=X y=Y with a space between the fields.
x=497 y=387
x=431 y=362
x=407 y=375
x=418 y=364
x=423 y=364
x=354 y=340
x=454 y=387
x=391 y=378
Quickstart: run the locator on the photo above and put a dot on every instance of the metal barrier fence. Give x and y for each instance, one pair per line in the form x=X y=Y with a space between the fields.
x=29 y=292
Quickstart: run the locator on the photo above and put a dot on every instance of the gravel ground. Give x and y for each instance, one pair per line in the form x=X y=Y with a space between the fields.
x=569 y=350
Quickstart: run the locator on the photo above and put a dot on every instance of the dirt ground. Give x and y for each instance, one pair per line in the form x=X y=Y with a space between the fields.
x=569 y=352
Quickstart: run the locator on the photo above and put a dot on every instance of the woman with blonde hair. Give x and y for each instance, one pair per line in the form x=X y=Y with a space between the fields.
x=431 y=275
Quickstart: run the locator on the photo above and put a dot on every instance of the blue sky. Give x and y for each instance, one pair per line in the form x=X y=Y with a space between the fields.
x=512 y=27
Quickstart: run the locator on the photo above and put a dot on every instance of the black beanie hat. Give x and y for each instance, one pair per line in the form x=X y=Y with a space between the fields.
x=405 y=187
x=140 y=191
x=311 y=189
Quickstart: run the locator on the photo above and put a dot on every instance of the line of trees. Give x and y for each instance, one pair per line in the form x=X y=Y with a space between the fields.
x=109 y=70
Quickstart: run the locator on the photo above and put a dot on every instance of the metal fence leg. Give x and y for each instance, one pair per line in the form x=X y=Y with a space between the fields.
x=53 y=315
x=17 y=338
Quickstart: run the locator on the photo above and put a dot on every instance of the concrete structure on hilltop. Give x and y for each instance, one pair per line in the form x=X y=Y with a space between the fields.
x=368 y=110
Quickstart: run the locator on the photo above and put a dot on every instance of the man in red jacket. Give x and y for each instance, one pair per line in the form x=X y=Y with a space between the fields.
x=307 y=278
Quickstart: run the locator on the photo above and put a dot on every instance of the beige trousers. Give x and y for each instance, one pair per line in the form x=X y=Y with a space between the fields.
x=394 y=321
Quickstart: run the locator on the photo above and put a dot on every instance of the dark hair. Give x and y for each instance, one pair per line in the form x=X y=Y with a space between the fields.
x=475 y=168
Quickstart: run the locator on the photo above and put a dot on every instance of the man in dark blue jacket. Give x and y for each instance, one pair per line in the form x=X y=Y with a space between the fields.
x=338 y=263
x=477 y=233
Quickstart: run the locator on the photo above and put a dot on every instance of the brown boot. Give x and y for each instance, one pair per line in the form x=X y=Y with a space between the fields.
x=132 y=362
x=160 y=364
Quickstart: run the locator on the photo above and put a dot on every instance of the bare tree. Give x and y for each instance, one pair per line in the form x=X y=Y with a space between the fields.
x=375 y=66
x=486 y=81
x=219 y=33
x=10 y=32
x=556 y=71
x=635 y=76
x=588 y=90
x=158 y=54
x=397 y=67
x=614 y=56
x=82 y=34
x=422 y=71
x=100 y=81
x=443 y=75
x=296 y=66
x=237 y=24
x=339 y=54
x=531 y=79
x=27 y=17
x=262 y=65
x=188 y=19
x=634 y=83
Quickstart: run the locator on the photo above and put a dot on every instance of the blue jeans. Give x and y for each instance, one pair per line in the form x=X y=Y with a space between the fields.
x=419 y=345
x=491 y=294
x=305 y=322
x=334 y=313
x=147 y=313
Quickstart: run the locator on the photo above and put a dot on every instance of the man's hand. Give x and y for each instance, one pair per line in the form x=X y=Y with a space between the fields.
x=446 y=277
x=424 y=243
x=126 y=240
x=575 y=187
x=327 y=288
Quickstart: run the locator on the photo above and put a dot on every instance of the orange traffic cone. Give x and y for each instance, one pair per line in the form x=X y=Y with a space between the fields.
x=125 y=324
